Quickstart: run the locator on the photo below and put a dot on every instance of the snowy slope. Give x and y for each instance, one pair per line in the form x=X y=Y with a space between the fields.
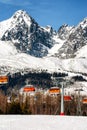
x=40 y=122
x=4 y=26
x=7 y=49
x=82 y=52
x=10 y=57
x=75 y=65
x=23 y=61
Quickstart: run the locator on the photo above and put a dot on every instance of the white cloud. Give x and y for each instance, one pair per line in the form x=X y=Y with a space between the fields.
x=16 y=2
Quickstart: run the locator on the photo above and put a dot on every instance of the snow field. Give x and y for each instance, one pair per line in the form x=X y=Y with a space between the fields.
x=42 y=122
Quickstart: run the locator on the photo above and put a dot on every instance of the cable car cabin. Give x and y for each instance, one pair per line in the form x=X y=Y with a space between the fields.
x=3 y=79
x=67 y=98
x=54 y=90
x=29 y=88
x=84 y=101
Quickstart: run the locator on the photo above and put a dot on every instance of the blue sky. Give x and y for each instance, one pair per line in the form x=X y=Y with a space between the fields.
x=47 y=12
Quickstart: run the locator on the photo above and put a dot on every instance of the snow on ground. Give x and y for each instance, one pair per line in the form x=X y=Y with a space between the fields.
x=42 y=122
x=82 y=52
x=21 y=60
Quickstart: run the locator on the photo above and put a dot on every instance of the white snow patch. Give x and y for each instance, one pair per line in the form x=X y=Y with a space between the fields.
x=40 y=122
x=56 y=47
x=4 y=25
x=82 y=52
x=75 y=65
x=7 y=49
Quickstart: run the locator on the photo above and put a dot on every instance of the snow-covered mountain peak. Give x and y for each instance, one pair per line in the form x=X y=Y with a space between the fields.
x=83 y=23
x=20 y=12
x=76 y=38
x=21 y=16
x=64 y=31
x=49 y=29
x=25 y=33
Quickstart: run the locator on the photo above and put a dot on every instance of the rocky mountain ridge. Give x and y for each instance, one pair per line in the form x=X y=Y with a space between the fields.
x=76 y=39
x=28 y=37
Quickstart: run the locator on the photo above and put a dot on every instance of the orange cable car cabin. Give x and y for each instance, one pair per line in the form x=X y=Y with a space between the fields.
x=29 y=89
x=54 y=90
x=3 y=79
x=84 y=101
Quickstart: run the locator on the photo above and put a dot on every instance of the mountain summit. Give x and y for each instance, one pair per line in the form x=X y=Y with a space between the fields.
x=25 y=33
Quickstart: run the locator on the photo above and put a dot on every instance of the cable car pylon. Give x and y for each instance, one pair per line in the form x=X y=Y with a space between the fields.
x=62 y=100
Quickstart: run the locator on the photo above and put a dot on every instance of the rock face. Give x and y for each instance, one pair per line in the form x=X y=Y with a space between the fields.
x=76 y=38
x=64 y=31
x=27 y=35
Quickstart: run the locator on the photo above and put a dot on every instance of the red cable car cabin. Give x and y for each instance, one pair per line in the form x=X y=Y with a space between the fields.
x=67 y=98
x=29 y=89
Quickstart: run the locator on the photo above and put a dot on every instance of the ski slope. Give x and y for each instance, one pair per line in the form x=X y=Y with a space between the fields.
x=42 y=122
